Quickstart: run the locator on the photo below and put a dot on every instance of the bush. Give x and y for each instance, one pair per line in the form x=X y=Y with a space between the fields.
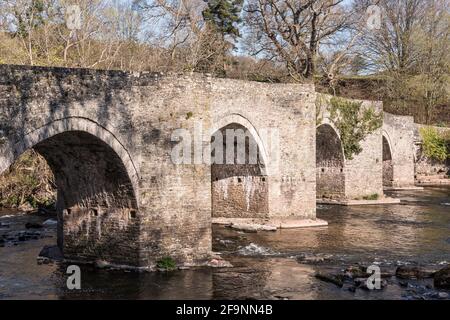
x=435 y=145
x=374 y=196
x=166 y=263
x=354 y=123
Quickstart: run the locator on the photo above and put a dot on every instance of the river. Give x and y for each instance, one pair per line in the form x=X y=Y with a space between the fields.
x=267 y=265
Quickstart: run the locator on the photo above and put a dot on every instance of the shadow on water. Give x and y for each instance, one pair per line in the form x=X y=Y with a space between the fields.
x=271 y=265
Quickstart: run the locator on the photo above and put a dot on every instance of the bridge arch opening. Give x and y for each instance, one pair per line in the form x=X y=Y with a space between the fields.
x=330 y=174
x=388 y=168
x=239 y=188
x=96 y=207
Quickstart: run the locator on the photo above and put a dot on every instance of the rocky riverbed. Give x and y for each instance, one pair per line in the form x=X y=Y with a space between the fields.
x=409 y=242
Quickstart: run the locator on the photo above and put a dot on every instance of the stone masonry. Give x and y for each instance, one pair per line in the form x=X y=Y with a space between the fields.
x=398 y=150
x=107 y=135
x=350 y=178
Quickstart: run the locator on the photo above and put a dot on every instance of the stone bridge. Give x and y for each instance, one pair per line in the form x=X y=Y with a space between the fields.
x=108 y=137
x=386 y=161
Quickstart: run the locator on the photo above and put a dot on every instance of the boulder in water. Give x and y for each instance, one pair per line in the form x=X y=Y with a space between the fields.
x=50 y=222
x=31 y=225
x=102 y=264
x=442 y=278
x=334 y=279
x=354 y=272
x=405 y=272
x=219 y=263
x=51 y=252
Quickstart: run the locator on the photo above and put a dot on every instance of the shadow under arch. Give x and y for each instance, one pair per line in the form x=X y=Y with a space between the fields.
x=239 y=189
x=244 y=122
x=14 y=150
x=97 y=207
x=388 y=166
x=330 y=163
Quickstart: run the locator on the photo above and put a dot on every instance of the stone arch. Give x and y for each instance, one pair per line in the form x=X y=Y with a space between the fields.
x=14 y=150
x=388 y=166
x=330 y=163
x=239 y=119
x=239 y=190
x=96 y=180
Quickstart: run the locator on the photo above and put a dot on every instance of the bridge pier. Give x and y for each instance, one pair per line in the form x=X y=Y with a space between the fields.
x=398 y=151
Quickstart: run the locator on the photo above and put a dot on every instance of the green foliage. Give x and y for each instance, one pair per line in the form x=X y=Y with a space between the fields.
x=435 y=145
x=354 y=123
x=223 y=15
x=166 y=263
x=374 y=196
x=189 y=115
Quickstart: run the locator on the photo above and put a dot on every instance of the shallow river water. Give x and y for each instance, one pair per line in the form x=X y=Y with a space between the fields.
x=267 y=265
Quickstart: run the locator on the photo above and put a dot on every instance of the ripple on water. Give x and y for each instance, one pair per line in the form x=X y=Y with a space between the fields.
x=256 y=250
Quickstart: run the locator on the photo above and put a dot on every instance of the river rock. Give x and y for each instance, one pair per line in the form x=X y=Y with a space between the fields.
x=50 y=222
x=51 y=252
x=31 y=225
x=406 y=272
x=354 y=272
x=442 y=278
x=335 y=279
x=101 y=264
x=313 y=258
x=443 y=295
x=219 y=263
x=46 y=211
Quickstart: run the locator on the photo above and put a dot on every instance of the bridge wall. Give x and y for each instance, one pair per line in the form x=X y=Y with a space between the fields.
x=363 y=174
x=399 y=133
x=125 y=120
x=282 y=118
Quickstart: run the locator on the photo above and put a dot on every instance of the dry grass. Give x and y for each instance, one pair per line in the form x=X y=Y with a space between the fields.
x=28 y=181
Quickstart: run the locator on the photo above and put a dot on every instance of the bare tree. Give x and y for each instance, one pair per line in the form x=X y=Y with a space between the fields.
x=411 y=51
x=182 y=34
x=292 y=32
x=391 y=47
